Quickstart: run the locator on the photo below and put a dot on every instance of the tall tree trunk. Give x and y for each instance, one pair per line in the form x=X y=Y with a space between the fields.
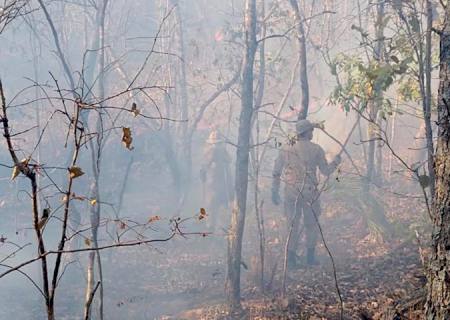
x=304 y=84
x=242 y=161
x=438 y=300
x=185 y=152
x=96 y=149
x=374 y=160
x=378 y=103
x=427 y=100
x=257 y=163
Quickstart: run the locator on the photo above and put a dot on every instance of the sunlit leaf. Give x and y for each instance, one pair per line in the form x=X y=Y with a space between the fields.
x=15 y=173
x=16 y=169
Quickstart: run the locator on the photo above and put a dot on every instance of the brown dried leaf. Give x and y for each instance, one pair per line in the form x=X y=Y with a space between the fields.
x=202 y=214
x=127 y=139
x=42 y=222
x=154 y=218
x=75 y=172
x=135 y=110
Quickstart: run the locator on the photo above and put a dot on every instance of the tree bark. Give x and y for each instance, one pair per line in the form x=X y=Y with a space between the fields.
x=183 y=102
x=96 y=150
x=374 y=153
x=304 y=82
x=438 y=299
x=242 y=161
x=257 y=163
x=427 y=100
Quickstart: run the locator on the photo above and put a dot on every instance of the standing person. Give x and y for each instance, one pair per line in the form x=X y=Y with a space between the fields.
x=216 y=178
x=298 y=162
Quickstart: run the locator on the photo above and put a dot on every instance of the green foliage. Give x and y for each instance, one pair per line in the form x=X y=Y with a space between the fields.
x=364 y=81
x=408 y=90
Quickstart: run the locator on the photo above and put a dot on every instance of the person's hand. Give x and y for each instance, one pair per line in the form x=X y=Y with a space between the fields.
x=276 y=197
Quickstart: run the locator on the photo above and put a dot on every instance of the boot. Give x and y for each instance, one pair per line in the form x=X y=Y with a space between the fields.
x=311 y=257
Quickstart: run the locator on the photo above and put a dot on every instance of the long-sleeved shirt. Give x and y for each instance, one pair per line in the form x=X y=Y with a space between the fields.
x=299 y=163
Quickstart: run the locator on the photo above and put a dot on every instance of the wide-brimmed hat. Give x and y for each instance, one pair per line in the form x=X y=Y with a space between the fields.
x=303 y=126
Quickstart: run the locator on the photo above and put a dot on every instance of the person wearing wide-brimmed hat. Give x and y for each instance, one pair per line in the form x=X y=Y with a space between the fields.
x=216 y=178
x=298 y=164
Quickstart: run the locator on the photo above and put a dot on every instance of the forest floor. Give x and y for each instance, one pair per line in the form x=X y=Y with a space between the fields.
x=375 y=274
x=184 y=278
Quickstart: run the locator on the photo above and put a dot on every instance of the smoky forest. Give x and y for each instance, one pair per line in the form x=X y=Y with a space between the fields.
x=224 y=159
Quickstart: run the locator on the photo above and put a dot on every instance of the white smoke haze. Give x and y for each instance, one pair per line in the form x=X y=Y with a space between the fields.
x=145 y=97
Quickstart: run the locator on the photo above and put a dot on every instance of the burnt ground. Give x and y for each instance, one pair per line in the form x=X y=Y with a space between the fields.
x=184 y=279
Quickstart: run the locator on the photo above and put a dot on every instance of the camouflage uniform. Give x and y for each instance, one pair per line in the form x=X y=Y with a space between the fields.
x=216 y=177
x=298 y=163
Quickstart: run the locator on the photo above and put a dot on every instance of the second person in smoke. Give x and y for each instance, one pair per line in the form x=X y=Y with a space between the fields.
x=298 y=163
x=216 y=178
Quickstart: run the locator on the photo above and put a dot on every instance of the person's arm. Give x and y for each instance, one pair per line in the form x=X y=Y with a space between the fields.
x=325 y=167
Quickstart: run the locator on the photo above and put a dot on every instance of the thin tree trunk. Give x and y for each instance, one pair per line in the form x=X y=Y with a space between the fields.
x=304 y=84
x=183 y=99
x=379 y=149
x=242 y=161
x=374 y=158
x=378 y=101
x=96 y=149
x=89 y=286
x=371 y=129
x=427 y=100
x=257 y=165
x=424 y=61
x=392 y=138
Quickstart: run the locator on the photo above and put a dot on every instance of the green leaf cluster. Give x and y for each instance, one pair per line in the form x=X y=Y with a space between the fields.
x=361 y=81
